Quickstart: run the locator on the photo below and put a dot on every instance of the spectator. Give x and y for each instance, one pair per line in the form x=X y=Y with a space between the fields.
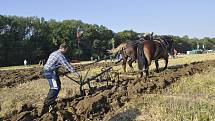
x=25 y=62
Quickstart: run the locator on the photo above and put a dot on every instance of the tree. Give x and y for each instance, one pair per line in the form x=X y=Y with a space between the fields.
x=127 y=35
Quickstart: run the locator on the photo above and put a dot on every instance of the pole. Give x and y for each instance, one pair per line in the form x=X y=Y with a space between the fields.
x=79 y=48
x=78 y=40
x=78 y=35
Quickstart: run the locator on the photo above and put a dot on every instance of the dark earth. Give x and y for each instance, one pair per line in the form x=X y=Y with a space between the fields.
x=106 y=100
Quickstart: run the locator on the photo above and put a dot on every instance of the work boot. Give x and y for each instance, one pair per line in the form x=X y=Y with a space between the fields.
x=53 y=109
x=45 y=109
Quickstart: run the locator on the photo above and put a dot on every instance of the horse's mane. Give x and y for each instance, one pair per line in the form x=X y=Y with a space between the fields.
x=117 y=49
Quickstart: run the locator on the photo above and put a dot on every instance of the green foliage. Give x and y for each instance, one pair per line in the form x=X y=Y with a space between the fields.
x=34 y=38
x=127 y=35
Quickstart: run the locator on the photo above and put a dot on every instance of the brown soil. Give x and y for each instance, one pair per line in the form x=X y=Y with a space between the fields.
x=10 y=78
x=107 y=100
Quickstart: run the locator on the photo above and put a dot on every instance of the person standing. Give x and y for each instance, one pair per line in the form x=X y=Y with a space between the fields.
x=55 y=59
x=25 y=62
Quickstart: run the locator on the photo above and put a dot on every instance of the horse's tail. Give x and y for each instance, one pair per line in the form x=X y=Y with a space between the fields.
x=140 y=56
x=119 y=48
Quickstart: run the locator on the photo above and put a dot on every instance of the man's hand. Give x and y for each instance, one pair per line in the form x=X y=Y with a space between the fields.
x=78 y=75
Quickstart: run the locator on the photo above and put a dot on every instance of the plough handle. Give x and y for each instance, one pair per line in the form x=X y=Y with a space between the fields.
x=94 y=77
x=78 y=82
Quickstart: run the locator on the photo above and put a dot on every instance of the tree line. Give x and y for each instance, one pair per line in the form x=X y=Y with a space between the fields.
x=34 y=38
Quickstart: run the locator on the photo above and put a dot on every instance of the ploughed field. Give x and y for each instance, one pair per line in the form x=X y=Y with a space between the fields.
x=101 y=105
x=10 y=78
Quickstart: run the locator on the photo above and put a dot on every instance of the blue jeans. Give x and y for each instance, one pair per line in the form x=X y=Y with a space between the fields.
x=55 y=86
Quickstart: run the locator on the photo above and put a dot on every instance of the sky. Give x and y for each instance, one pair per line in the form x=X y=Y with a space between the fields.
x=195 y=18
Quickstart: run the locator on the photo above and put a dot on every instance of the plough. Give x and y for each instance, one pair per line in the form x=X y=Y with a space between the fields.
x=106 y=74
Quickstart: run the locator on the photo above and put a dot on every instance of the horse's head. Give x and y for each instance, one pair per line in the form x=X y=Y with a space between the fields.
x=117 y=49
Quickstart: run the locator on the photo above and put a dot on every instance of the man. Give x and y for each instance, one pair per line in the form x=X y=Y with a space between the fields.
x=51 y=74
x=25 y=62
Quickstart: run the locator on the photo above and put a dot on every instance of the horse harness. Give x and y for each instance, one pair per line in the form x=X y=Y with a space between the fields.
x=163 y=44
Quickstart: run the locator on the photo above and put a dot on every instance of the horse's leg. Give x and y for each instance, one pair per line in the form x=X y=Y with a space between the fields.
x=147 y=72
x=157 y=66
x=144 y=60
x=124 y=64
x=140 y=66
x=130 y=63
x=166 y=63
x=146 y=68
x=141 y=74
x=148 y=61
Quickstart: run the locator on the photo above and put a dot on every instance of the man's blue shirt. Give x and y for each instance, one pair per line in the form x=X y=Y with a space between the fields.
x=55 y=60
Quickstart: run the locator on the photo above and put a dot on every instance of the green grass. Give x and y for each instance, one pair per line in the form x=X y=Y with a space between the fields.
x=191 y=99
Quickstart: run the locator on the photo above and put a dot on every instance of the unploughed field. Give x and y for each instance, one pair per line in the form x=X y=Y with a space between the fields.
x=185 y=91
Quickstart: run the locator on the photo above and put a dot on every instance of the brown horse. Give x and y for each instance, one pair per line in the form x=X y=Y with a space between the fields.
x=153 y=50
x=128 y=50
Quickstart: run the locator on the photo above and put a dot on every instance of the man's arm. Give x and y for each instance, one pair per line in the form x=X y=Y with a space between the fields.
x=64 y=61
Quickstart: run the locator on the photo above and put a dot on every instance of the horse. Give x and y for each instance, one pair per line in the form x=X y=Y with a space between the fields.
x=128 y=50
x=148 y=50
